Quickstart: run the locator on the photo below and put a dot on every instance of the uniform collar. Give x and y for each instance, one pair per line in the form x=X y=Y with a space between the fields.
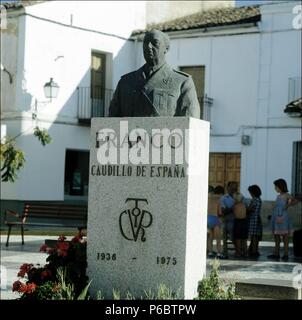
x=150 y=70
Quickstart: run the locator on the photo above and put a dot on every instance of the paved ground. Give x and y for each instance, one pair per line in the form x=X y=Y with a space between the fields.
x=231 y=270
x=279 y=272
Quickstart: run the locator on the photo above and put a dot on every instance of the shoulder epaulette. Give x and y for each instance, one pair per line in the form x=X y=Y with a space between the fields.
x=182 y=73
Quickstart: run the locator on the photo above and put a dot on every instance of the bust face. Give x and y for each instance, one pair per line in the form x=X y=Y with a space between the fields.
x=154 y=48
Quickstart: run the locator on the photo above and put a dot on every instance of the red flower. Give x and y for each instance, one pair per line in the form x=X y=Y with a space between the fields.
x=16 y=285
x=43 y=248
x=76 y=239
x=26 y=266
x=50 y=250
x=19 y=287
x=24 y=269
x=62 y=248
x=46 y=273
x=31 y=287
x=21 y=273
x=62 y=253
x=26 y=288
x=62 y=238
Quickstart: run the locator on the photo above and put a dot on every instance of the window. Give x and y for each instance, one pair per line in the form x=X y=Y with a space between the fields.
x=297 y=170
x=198 y=75
x=76 y=173
x=98 y=83
x=94 y=100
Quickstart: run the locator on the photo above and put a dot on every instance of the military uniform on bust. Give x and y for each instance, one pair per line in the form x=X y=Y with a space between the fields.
x=155 y=90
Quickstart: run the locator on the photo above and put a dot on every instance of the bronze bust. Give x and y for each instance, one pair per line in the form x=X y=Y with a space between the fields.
x=155 y=89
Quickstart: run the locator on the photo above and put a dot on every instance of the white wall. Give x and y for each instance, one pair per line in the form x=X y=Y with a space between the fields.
x=113 y=17
x=231 y=78
x=39 y=46
x=54 y=48
x=231 y=75
x=280 y=59
x=247 y=75
x=42 y=177
x=73 y=69
x=9 y=42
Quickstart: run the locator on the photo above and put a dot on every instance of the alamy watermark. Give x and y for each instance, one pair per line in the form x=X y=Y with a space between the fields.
x=297 y=276
x=297 y=21
x=164 y=146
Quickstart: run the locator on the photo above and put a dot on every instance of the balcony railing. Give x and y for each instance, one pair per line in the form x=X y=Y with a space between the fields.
x=205 y=107
x=93 y=102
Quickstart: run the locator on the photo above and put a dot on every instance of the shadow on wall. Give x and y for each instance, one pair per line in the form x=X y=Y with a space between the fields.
x=42 y=177
x=92 y=93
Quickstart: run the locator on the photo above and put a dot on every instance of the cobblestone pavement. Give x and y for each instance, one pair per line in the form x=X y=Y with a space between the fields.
x=231 y=269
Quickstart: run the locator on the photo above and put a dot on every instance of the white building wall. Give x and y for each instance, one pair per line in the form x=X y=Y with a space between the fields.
x=42 y=177
x=112 y=17
x=68 y=62
x=279 y=61
x=231 y=78
x=246 y=74
x=9 y=41
x=55 y=44
x=55 y=48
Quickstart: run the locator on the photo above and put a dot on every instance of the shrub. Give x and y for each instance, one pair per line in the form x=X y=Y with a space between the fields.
x=212 y=287
x=63 y=277
x=163 y=292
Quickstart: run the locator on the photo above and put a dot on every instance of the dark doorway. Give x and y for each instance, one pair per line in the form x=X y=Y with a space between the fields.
x=76 y=173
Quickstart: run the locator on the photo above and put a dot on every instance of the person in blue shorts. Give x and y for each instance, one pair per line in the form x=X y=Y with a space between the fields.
x=214 y=222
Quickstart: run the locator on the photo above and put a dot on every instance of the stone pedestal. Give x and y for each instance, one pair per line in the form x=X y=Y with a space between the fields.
x=147 y=219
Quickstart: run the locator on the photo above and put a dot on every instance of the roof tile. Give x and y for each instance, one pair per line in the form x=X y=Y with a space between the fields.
x=208 y=18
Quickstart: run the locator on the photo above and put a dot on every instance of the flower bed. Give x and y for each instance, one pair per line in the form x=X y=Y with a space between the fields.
x=64 y=271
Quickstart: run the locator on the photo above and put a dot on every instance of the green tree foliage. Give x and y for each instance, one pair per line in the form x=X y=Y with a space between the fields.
x=12 y=159
x=42 y=135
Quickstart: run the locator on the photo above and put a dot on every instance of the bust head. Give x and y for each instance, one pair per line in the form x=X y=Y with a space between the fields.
x=155 y=46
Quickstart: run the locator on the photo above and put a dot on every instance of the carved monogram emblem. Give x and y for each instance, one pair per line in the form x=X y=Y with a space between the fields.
x=133 y=222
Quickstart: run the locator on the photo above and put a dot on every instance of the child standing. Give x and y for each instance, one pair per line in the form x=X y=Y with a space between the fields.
x=214 y=222
x=240 y=226
x=254 y=220
x=281 y=224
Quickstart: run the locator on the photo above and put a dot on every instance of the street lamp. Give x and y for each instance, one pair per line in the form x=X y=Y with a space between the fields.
x=51 y=89
x=294 y=108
